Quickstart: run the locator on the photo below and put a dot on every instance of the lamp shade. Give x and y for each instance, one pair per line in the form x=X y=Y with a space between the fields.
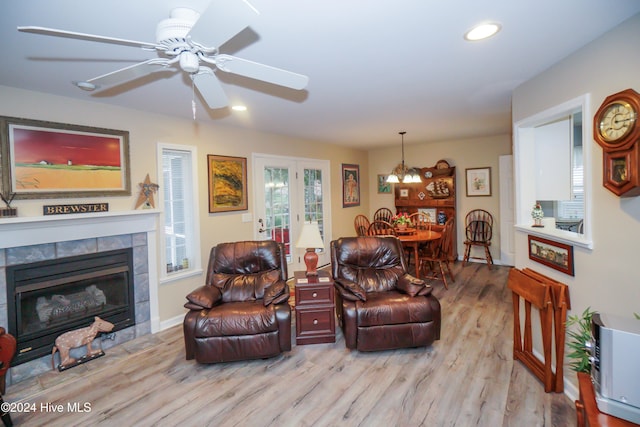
x=310 y=236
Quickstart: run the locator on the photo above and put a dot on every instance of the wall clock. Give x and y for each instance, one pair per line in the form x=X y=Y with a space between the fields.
x=615 y=125
x=617 y=131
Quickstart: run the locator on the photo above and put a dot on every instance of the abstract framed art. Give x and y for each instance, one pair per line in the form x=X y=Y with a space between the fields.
x=43 y=160
x=227 y=183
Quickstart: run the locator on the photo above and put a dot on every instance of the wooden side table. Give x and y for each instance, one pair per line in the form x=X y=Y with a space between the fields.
x=315 y=307
x=587 y=411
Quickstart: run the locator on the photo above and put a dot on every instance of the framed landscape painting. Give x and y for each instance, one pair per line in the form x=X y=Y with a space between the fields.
x=552 y=254
x=54 y=160
x=227 y=183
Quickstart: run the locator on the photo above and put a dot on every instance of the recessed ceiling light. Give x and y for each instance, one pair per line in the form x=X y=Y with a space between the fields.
x=482 y=31
x=239 y=108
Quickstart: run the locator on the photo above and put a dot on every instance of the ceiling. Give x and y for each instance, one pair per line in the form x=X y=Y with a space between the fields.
x=374 y=67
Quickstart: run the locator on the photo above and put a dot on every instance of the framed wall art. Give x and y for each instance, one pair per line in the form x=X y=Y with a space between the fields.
x=383 y=186
x=478 y=182
x=350 y=185
x=552 y=254
x=227 y=183
x=43 y=160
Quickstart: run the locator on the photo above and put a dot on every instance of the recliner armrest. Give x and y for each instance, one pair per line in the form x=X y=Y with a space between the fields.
x=350 y=290
x=203 y=297
x=413 y=286
x=276 y=294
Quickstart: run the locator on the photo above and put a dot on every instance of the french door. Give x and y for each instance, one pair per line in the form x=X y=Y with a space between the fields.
x=288 y=192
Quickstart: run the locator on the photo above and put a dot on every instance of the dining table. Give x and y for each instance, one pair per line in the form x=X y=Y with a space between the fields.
x=412 y=238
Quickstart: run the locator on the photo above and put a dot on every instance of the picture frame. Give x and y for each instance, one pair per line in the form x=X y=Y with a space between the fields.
x=404 y=192
x=227 y=179
x=558 y=256
x=431 y=214
x=478 y=181
x=45 y=160
x=350 y=185
x=383 y=186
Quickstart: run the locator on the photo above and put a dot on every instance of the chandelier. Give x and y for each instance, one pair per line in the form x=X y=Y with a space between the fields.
x=402 y=173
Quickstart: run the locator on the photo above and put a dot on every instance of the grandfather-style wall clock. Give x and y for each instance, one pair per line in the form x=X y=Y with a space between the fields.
x=617 y=131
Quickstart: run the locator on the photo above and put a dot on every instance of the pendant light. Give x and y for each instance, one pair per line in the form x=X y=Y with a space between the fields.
x=402 y=173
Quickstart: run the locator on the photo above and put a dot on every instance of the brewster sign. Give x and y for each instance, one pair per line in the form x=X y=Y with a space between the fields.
x=74 y=209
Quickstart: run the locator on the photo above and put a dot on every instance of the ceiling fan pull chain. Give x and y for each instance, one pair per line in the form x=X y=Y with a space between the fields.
x=193 y=99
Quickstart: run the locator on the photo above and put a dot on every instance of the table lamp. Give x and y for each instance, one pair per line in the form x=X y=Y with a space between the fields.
x=310 y=239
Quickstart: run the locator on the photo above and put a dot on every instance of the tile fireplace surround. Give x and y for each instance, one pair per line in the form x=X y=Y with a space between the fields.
x=32 y=239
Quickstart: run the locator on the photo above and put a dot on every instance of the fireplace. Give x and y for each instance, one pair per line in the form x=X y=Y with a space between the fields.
x=48 y=298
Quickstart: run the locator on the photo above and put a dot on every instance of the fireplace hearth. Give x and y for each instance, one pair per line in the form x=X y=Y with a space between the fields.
x=48 y=298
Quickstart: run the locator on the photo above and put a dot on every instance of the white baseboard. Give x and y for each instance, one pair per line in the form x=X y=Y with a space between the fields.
x=169 y=323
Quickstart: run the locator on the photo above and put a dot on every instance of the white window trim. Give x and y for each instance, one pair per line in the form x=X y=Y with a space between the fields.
x=197 y=268
x=525 y=190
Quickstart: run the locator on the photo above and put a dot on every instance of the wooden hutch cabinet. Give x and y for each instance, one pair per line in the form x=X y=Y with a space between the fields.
x=435 y=195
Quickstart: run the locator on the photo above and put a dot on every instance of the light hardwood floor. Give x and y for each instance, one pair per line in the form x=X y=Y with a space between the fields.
x=468 y=378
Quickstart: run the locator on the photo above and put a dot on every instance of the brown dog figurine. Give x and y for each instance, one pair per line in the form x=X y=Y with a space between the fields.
x=78 y=338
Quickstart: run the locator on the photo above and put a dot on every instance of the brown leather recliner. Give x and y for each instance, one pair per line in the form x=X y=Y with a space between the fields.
x=241 y=312
x=378 y=304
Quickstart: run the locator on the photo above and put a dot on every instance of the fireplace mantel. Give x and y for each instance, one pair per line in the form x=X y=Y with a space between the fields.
x=26 y=231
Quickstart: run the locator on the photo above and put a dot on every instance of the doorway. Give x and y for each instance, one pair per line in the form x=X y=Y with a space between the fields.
x=288 y=192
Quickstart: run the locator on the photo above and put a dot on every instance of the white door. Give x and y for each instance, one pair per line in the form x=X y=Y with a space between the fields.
x=507 y=211
x=289 y=191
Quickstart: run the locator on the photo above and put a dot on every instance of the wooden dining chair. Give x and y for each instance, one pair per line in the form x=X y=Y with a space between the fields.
x=381 y=228
x=478 y=232
x=436 y=256
x=361 y=224
x=420 y=220
x=383 y=214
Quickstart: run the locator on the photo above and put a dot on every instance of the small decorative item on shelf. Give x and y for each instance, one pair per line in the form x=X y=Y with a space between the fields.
x=442 y=218
x=8 y=211
x=537 y=214
x=401 y=221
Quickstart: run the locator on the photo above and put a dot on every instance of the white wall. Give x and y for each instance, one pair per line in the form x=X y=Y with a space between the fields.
x=606 y=278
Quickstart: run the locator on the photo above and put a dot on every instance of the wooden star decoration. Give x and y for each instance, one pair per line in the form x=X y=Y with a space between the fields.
x=145 y=199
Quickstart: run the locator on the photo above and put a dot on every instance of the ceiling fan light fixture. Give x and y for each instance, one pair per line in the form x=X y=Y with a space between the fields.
x=189 y=62
x=482 y=31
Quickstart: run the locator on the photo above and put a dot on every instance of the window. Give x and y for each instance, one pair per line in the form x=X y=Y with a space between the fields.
x=178 y=195
x=551 y=162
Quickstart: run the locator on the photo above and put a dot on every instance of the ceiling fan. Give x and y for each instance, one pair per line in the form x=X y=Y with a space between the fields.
x=190 y=40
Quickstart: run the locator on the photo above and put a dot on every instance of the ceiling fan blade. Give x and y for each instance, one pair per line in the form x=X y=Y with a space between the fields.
x=222 y=20
x=86 y=37
x=129 y=73
x=255 y=70
x=210 y=88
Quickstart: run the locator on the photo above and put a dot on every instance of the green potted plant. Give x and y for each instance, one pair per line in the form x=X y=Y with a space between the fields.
x=580 y=338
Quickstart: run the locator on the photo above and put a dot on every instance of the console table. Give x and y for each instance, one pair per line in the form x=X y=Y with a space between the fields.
x=587 y=411
x=315 y=307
